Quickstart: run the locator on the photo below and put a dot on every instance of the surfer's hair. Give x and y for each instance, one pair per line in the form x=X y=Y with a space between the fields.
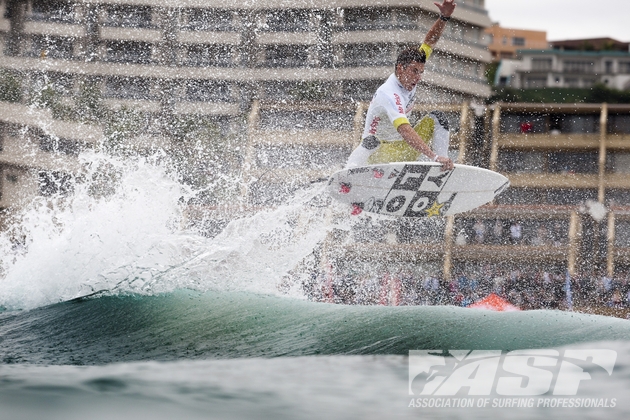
x=411 y=55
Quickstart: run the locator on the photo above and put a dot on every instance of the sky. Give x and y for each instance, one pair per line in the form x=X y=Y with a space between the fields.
x=565 y=19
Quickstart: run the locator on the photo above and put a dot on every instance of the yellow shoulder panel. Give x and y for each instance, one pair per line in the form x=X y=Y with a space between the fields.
x=427 y=50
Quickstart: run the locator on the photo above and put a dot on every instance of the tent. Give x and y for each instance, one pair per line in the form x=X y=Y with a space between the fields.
x=493 y=302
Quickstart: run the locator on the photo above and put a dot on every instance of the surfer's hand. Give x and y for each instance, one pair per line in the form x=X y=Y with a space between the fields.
x=446 y=8
x=447 y=164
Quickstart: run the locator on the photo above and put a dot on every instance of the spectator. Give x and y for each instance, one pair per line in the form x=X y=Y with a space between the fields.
x=557 y=235
x=480 y=231
x=542 y=237
x=516 y=233
x=497 y=230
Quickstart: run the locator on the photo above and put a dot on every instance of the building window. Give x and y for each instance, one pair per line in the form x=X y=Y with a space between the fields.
x=52 y=46
x=523 y=124
x=472 y=34
x=572 y=82
x=520 y=161
x=299 y=91
x=53 y=10
x=127 y=88
x=52 y=144
x=210 y=20
x=608 y=67
x=313 y=120
x=366 y=19
x=570 y=162
x=541 y=64
x=210 y=55
x=619 y=124
x=368 y=55
x=62 y=83
x=207 y=91
x=618 y=162
x=405 y=19
x=518 y=41
x=129 y=52
x=578 y=66
x=584 y=124
x=288 y=20
x=624 y=67
x=535 y=82
x=128 y=16
x=53 y=183
x=361 y=90
x=286 y=56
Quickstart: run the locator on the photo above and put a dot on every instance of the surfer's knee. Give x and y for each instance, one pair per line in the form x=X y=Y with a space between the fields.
x=370 y=142
x=441 y=119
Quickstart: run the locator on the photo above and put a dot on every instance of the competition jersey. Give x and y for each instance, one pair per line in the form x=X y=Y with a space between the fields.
x=388 y=110
x=389 y=107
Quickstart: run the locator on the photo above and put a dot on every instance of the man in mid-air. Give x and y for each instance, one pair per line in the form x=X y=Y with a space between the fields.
x=388 y=136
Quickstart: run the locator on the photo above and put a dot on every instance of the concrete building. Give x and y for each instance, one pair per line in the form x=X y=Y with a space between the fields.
x=591 y=44
x=573 y=69
x=167 y=59
x=504 y=43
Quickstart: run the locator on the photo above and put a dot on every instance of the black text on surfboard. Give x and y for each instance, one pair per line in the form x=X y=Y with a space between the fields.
x=415 y=189
x=416 y=193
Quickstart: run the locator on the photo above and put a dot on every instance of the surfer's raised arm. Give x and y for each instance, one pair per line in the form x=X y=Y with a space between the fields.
x=446 y=10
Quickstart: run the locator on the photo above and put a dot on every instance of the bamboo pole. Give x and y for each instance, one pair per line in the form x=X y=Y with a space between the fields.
x=603 y=128
x=610 y=246
x=496 y=132
x=464 y=132
x=448 y=247
x=252 y=125
x=575 y=231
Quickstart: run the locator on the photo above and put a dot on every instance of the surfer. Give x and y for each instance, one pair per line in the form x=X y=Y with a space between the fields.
x=388 y=135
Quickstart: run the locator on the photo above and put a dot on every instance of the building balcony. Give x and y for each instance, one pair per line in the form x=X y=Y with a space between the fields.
x=553 y=180
x=139 y=34
x=208 y=37
x=207 y=108
x=548 y=141
x=54 y=28
x=475 y=52
x=284 y=38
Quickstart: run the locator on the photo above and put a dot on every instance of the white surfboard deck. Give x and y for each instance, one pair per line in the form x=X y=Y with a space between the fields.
x=416 y=189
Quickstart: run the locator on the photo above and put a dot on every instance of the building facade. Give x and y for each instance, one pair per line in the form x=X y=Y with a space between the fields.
x=205 y=56
x=166 y=60
x=572 y=69
x=579 y=63
x=504 y=43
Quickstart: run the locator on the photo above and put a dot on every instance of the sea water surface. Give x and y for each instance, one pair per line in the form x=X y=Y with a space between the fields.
x=112 y=310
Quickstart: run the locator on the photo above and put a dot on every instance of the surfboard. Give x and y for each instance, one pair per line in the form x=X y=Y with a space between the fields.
x=416 y=189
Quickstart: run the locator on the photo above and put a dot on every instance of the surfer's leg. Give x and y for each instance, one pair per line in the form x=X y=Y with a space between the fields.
x=434 y=130
x=441 y=133
x=360 y=155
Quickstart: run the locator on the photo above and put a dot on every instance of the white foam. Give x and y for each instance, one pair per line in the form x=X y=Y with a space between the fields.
x=131 y=241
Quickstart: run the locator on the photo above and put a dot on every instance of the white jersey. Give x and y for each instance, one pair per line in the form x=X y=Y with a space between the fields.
x=388 y=110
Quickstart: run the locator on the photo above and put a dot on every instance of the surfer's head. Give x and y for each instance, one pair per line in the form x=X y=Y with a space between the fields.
x=410 y=66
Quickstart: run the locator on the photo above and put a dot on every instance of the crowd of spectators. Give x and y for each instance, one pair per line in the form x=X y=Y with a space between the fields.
x=540 y=285
x=526 y=288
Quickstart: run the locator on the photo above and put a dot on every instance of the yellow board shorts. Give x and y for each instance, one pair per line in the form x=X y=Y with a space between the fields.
x=400 y=150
